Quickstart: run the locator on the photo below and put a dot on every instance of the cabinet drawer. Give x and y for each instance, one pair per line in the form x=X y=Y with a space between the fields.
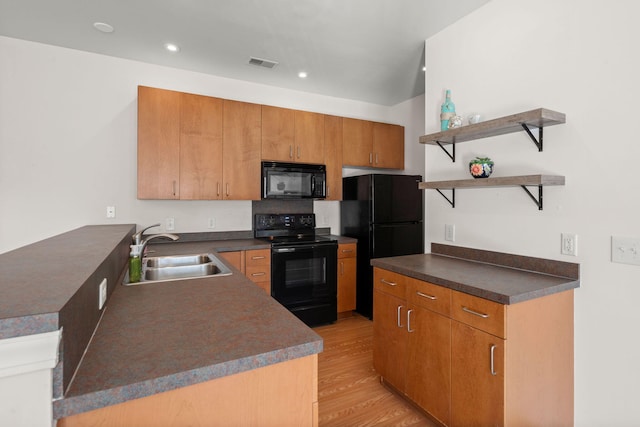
x=258 y=257
x=258 y=273
x=480 y=313
x=389 y=282
x=430 y=296
x=347 y=250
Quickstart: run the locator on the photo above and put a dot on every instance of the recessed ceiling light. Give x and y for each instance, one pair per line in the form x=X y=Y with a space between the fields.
x=424 y=68
x=302 y=74
x=103 y=27
x=172 y=47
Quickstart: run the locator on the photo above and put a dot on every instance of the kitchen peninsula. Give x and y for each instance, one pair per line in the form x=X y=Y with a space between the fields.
x=475 y=337
x=187 y=348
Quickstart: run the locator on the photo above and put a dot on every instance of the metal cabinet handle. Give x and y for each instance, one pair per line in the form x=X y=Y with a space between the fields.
x=174 y=187
x=386 y=282
x=431 y=297
x=475 y=313
x=492 y=351
x=370 y=158
x=298 y=151
x=347 y=251
x=262 y=273
x=218 y=189
x=399 y=320
x=376 y=158
x=227 y=188
x=291 y=151
x=258 y=257
x=409 y=321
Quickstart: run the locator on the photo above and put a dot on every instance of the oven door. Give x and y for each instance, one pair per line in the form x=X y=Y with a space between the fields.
x=304 y=275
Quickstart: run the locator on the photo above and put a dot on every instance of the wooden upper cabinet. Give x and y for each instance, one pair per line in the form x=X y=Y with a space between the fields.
x=333 y=156
x=158 y=143
x=388 y=146
x=200 y=147
x=242 y=122
x=278 y=133
x=357 y=142
x=309 y=137
x=292 y=135
x=372 y=144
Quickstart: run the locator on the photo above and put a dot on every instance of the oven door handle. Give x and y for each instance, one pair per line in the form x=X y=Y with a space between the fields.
x=299 y=248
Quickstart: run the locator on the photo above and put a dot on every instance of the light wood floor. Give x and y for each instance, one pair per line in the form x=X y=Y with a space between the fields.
x=349 y=390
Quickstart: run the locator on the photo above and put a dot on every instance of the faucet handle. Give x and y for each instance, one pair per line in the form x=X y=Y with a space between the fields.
x=137 y=237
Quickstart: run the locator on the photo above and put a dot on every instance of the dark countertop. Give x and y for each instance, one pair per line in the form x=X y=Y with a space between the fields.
x=502 y=278
x=161 y=336
x=149 y=338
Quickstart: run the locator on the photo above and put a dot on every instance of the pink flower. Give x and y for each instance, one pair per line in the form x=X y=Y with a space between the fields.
x=476 y=169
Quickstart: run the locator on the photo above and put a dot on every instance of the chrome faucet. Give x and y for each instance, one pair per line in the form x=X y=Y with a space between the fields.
x=141 y=243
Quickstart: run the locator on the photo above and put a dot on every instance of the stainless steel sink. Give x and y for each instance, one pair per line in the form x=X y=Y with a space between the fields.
x=177 y=260
x=179 y=267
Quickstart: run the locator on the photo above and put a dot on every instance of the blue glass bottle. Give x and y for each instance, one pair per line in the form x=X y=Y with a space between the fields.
x=447 y=111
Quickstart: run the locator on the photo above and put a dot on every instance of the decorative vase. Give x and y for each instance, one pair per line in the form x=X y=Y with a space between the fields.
x=481 y=167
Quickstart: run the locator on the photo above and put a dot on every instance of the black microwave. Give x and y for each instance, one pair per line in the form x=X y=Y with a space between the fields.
x=293 y=181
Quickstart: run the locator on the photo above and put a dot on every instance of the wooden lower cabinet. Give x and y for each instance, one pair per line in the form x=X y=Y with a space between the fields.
x=258 y=268
x=477 y=377
x=283 y=394
x=390 y=338
x=467 y=361
x=346 y=278
x=428 y=377
x=255 y=264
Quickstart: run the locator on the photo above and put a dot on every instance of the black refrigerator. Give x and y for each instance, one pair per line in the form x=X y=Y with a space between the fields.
x=385 y=214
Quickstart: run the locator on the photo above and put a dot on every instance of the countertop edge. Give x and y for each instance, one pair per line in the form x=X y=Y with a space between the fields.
x=69 y=406
x=567 y=284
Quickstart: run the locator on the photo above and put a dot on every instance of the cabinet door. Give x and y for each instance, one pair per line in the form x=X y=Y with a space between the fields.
x=477 y=377
x=235 y=258
x=357 y=142
x=346 y=284
x=309 y=137
x=200 y=147
x=241 y=150
x=429 y=362
x=158 y=143
x=278 y=134
x=388 y=146
x=333 y=156
x=389 y=338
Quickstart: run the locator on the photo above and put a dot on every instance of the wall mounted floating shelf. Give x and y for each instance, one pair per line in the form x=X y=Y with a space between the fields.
x=538 y=118
x=523 y=181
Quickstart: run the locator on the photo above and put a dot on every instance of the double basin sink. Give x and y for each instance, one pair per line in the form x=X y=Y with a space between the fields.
x=179 y=267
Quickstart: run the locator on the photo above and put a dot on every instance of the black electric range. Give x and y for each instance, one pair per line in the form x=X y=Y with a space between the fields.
x=303 y=266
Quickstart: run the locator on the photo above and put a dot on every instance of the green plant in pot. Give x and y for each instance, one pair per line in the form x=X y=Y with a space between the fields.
x=481 y=167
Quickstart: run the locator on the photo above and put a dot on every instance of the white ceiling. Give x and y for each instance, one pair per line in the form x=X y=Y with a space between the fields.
x=368 y=50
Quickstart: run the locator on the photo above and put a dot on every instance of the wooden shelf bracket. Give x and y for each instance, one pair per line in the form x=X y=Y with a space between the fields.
x=536 y=141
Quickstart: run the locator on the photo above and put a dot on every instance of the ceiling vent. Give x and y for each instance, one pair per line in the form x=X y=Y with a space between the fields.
x=262 y=62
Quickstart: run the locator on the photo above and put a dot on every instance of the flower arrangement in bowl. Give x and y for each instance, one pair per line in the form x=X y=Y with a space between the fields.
x=481 y=167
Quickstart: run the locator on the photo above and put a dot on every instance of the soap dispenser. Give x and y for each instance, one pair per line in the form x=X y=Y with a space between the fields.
x=135 y=264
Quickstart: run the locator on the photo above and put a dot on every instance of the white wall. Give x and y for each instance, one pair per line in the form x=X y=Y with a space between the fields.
x=579 y=58
x=68 y=141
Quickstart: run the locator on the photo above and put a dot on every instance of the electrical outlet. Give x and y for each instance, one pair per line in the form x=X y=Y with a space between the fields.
x=625 y=250
x=111 y=211
x=102 y=293
x=169 y=224
x=211 y=223
x=569 y=244
x=450 y=232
